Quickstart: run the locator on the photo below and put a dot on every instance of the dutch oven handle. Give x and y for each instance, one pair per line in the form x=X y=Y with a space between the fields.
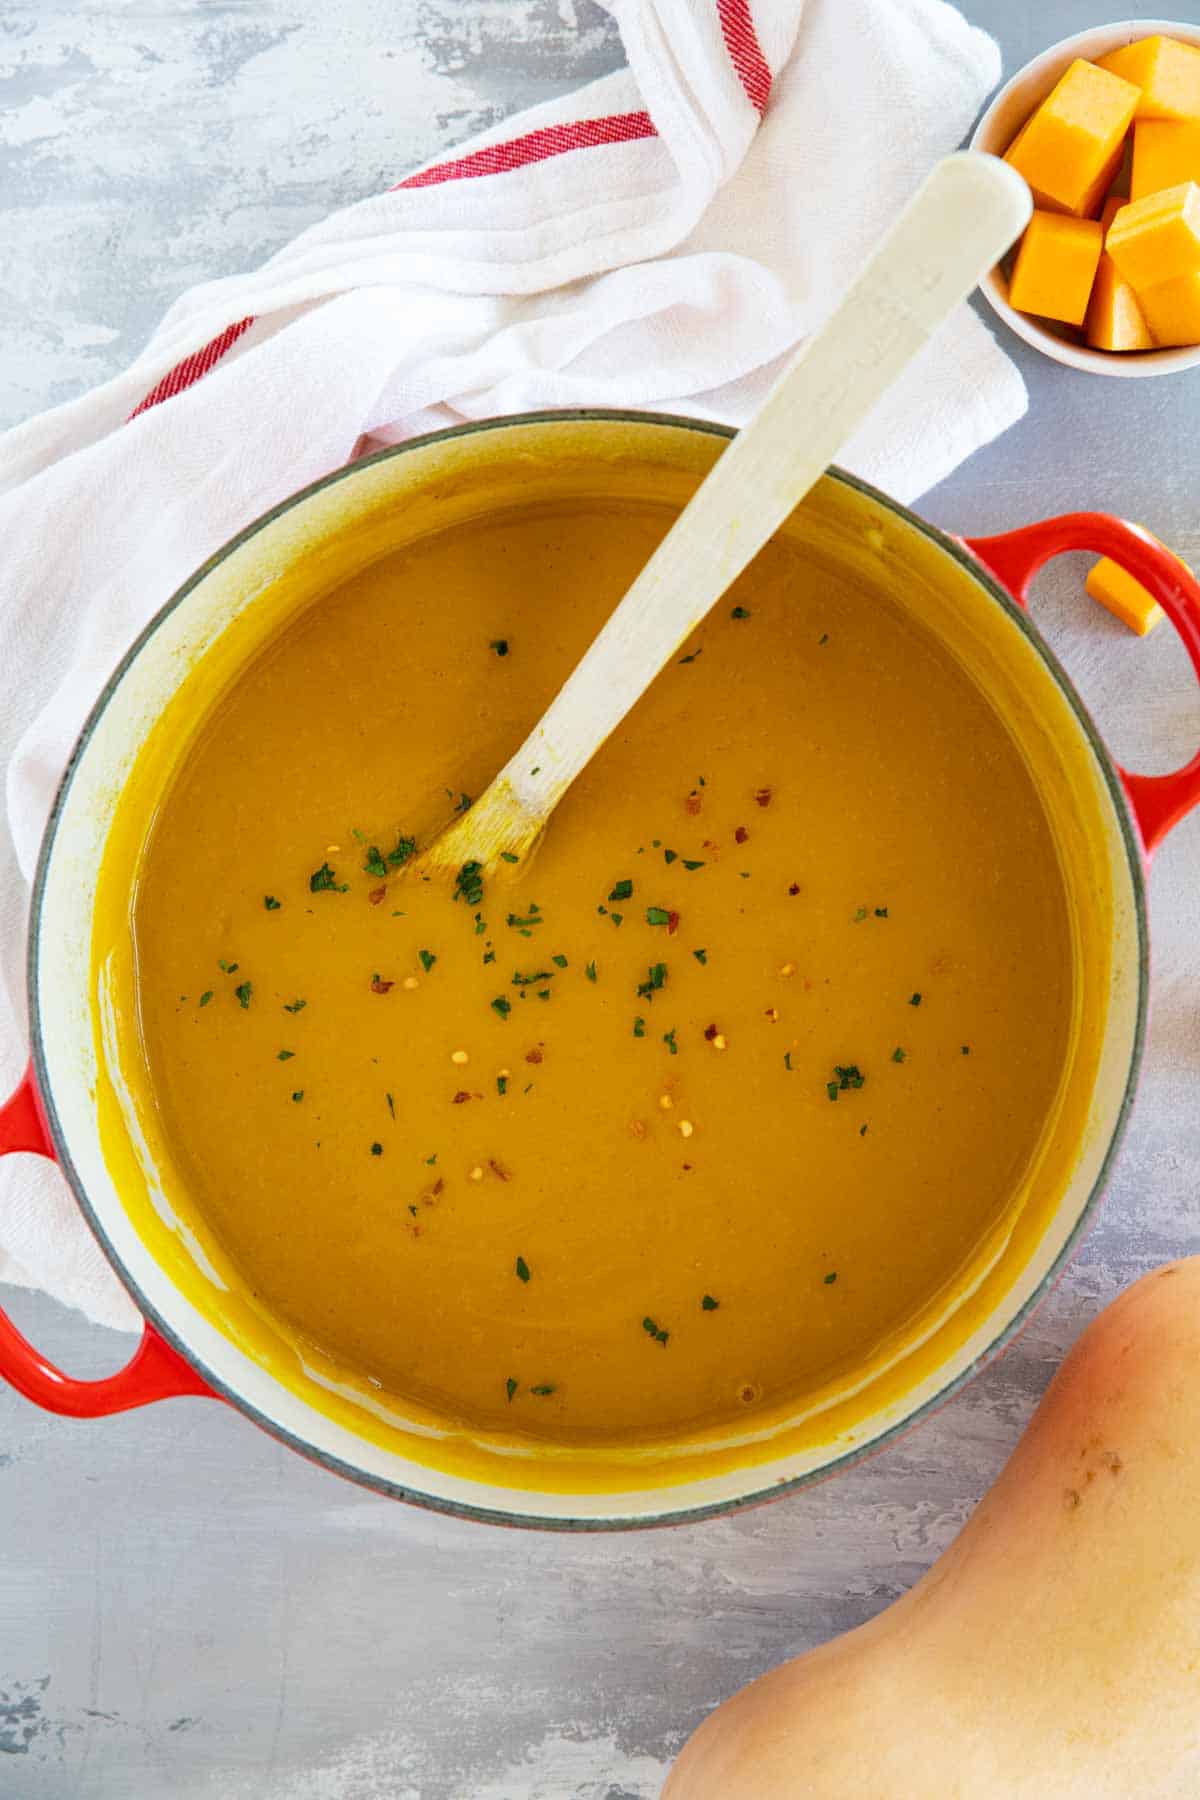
x=156 y=1372
x=1158 y=802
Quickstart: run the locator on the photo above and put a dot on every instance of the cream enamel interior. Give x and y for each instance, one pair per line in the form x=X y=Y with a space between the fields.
x=243 y=596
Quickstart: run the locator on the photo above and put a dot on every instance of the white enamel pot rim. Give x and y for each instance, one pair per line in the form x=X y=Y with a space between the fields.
x=175 y=1364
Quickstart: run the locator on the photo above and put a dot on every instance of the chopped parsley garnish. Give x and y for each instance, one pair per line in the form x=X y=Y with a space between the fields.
x=430 y=1160
x=295 y=1006
x=824 y=638
x=323 y=879
x=693 y=656
x=298 y=1095
x=915 y=1000
x=468 y=883
x=206 y=996
x=701 y=956
x=653 y=1330
x=405 y=847
x=708 y=1304
x=881 y=912
x=500 y=646
x=271 y=903
x=525 y=923
x=787 y=1061
x=966 y=1048
x=831 y=1278
x=860 y=914
x=391 y=1104
x=502 y=1085
x=898 y=1054
x=524 y=981
x=590 y=971
x=862 y=1131
x=654 y=982
x=639 y=1028
x=522 y=1269
x=622 y=890
x=243 y=990
x=510 y=1386
x=692 y=865
x=657 y=915
x=227 y=968
x=503 y=1007
x=740 y=612
x=670 y=856
x=850 y=1076
x=616 y=917
x=560 y=960
x=464 y=803
x=375 y=865
x=544 y=1387
x=285 y=1056
x=427 y=959
x=669 y=1040
x=508 y=857
x=376 y=1149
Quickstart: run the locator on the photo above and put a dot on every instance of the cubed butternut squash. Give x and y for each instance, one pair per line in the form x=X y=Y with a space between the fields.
x=1070 y=148
x=1115 y=320
x=1166 y=152
x=1127 y=600
x=1055 y=267
x=1157 y=238
x=1172 y=310
x=1166 y=72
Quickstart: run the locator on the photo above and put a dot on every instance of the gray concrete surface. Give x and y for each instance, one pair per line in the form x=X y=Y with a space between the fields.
x=187 y=1609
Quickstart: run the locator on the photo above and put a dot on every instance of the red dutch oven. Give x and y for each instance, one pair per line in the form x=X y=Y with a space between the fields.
x=971 y=594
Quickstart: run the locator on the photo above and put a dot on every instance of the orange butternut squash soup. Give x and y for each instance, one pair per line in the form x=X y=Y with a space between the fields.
x=677 y=1127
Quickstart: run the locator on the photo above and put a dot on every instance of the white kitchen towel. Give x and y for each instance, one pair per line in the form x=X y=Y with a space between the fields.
x=659 y=239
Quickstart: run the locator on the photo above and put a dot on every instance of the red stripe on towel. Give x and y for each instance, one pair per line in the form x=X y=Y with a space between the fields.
x=745 y=51
x=535 y=146
x=194 y=366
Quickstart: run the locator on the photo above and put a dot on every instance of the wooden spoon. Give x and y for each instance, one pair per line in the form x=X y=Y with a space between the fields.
x=959 y=223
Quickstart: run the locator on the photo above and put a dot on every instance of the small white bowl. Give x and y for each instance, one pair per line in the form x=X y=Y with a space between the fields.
x=995 y=132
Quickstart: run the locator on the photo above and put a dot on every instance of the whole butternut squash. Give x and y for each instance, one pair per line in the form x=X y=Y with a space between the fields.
x=1054 y=1649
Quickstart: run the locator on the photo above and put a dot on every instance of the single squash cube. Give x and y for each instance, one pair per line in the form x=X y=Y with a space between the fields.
x=1172 y=310
x=1127 y=600
x=1115 y=320
x=1167 y=73
x=1070 y=148
x=1055 y=267
x=1154 y=239
x=1166 y=152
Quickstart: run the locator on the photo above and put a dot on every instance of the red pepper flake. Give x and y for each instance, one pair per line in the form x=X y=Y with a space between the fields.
x=377 y=894
x=380 y=986
x=710 y=1032
x=672 y=923
x=534 y=1056
x=740 y=835
x=693 y=803
x=762 y=796
x=461 y=1095
x=499 y=1170
x=794 y=889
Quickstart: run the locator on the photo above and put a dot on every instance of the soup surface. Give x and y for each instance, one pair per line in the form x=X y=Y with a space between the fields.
x=686 y=1120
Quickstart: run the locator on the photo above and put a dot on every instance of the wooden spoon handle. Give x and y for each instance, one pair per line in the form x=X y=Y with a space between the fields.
x=958 y=224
